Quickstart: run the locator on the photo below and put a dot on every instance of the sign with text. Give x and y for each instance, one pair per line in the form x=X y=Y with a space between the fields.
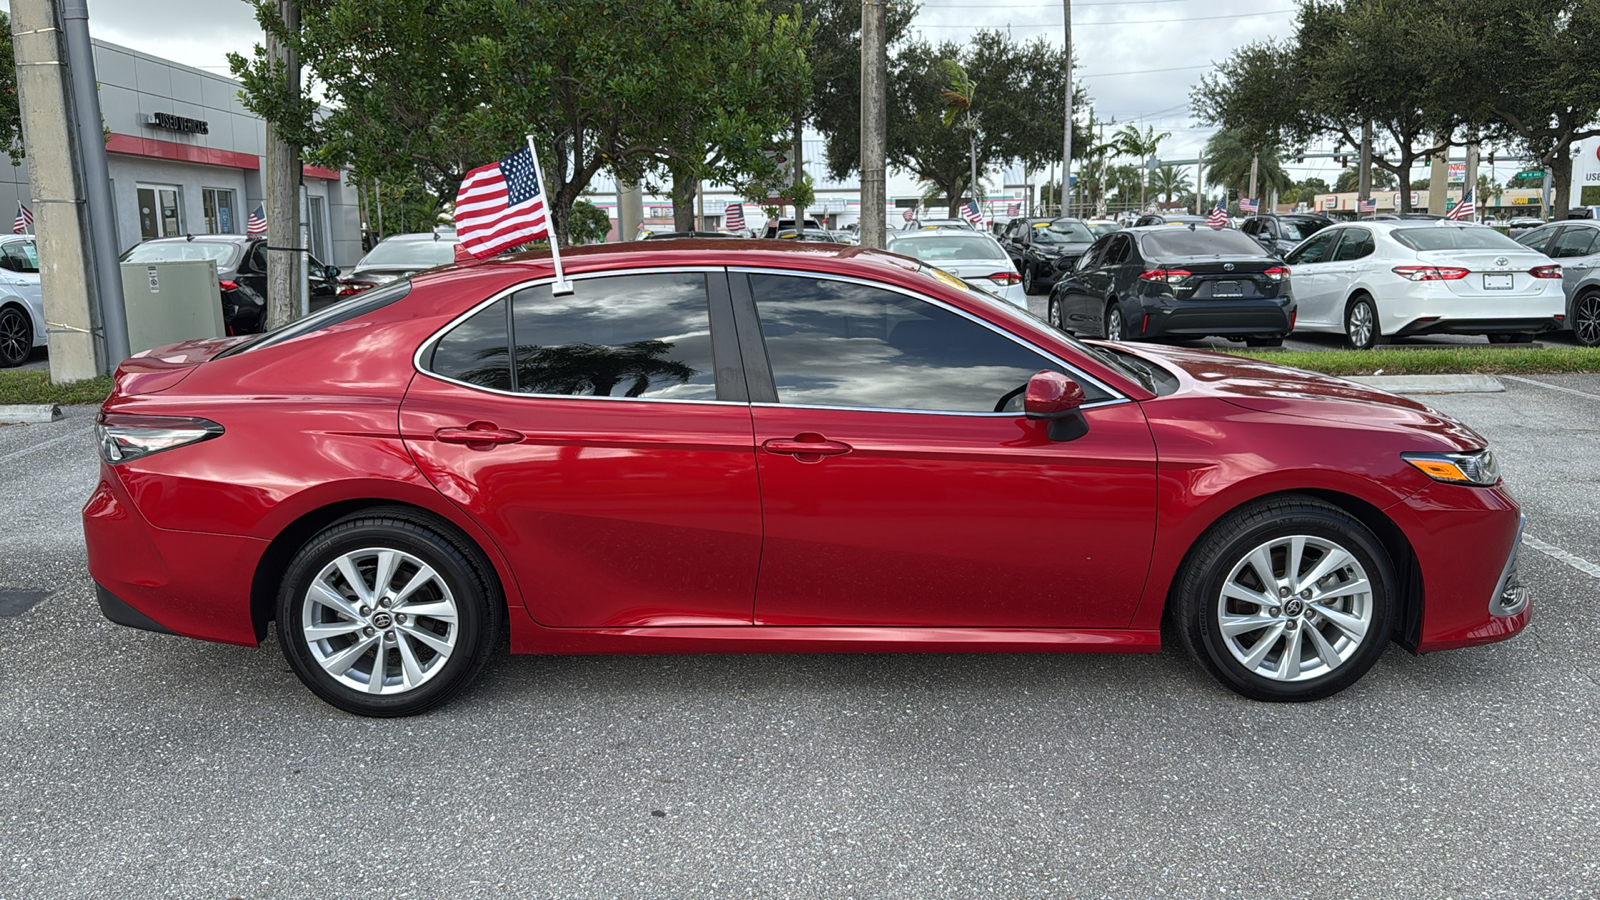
x=1458 y=172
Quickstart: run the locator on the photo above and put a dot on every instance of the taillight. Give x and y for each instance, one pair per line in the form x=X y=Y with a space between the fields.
x=1277 y=273
x=1170 y=276
x=1545 y=271
x=228 y=285
x=1431 y=273
x=125 y=437
x=1005 y=278
x=347 y=288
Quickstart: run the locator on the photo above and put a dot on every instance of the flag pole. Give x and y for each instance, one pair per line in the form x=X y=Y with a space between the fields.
x=561 y=285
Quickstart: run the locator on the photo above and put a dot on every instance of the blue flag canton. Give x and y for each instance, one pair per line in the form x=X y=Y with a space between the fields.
x=522 y=181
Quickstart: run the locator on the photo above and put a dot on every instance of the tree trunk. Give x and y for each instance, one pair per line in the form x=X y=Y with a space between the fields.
x=1560 y=181
x=1407 y=160
x=685 y=185
x=560 y=211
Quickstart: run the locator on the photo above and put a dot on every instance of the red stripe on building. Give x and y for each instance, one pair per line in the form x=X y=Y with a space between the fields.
x=132 y=145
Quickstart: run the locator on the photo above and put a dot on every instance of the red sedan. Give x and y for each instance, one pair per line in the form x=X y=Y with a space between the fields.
x=774 y=448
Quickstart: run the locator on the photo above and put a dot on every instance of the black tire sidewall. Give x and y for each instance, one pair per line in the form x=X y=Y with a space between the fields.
x=7 y=362
x=1350 y=314
x=1227 y=544
x=475 y=622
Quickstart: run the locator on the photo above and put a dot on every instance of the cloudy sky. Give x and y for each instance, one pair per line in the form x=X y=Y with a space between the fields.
x=1138 y=58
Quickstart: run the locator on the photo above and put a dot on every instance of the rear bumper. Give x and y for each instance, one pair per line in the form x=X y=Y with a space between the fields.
x=1164 y=317
x=1530 y=325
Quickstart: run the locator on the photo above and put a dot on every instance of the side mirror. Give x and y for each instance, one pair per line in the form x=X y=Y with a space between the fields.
x=331 y=272
x=1055 y=399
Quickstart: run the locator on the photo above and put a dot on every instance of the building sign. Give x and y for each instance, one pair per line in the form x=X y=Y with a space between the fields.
x=177 y=123
x=1458 y=173
x=1330 y=203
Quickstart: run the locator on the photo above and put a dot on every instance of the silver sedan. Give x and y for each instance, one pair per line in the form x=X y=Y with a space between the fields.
x=1576 y=246
x=974 y=257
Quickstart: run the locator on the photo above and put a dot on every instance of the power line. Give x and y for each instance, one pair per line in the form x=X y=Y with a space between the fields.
x=1269 y=12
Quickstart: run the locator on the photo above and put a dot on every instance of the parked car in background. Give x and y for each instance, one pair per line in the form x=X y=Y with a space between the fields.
x=977 y=259
x=1102 y=227
x=1163 y=281
x=732 y=447
x=919 y=224
x=1149 y=219
x=815 y=235
x=1280 y=233
x=685 y=235
x=1372 y=280
x=398 y=256
x=241 y=270
x=1042 y=248
x=1575 y=245
x=22 y=328
x=776 y=225
x=1518 y=224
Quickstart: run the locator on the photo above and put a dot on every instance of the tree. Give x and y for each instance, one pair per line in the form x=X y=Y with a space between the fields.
x=429 y=89
x=589 y=224
x=1228 y=165
x=10 y=113
x=1130 y=141
x=1169 y=180
x=834 y=106
x=1350 y=180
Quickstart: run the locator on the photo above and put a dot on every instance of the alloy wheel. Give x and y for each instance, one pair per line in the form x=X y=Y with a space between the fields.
x=1114 y=330
x=1586 y=320
x=1295 y=608
x=16 y=337
x=1027 y=279
x=380 y=621
x=1361 y=325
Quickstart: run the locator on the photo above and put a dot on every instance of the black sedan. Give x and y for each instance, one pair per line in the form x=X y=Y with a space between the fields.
x=1177 y=282
x=1280 y=233
x=1042 y=249
x=241 y=272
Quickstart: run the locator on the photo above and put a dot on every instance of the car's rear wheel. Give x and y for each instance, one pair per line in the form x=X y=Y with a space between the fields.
x=1286 y=600
x=1586 y=319
x=1116 y=328
x=16 y=337
x=1030 y=284
x=1361 y=324
x=1055 y=316
x=386 y=614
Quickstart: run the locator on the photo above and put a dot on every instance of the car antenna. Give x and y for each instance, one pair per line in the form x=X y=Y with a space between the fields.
x=188 y=237
x=1191 y=226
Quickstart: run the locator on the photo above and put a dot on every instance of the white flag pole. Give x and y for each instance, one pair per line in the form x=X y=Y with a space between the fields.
x=561 y=285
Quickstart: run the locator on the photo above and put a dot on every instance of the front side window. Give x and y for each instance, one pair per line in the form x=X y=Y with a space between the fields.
x=1314 y=250
x=841 y=344
x=1536 y=240
x=1575 y=240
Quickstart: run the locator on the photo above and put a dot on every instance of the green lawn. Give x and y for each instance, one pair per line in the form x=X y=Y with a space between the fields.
x=34 y=386
x=1471 y=359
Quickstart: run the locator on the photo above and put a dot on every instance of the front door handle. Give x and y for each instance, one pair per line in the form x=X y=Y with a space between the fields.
x=806 y=447
x=478 y=435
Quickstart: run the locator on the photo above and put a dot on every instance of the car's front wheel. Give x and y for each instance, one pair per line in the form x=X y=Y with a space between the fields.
x=16 y=337
x=1116 y=327
x=1030 y=284
x=1361 y=324
x=1586 y=319
x=1286 y=599
x=386 y=614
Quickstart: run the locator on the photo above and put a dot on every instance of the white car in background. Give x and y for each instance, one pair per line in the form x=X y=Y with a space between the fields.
x=1372 y=280
x=972 y=256
x=21 y=302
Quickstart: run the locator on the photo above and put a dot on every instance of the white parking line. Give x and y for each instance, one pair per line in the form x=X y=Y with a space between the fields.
x=1560 y=555
x=1553 y=387
x=43 y=444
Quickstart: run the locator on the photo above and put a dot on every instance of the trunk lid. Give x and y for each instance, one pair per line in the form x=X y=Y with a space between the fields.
x=1491 y=273
x=159 y=368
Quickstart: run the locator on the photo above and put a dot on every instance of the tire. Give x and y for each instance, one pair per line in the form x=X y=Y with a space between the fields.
x=1116 y=328
x=1586 y=319
x=1303 y=649
x=1055 y=316
x=1030 y=285
x=16 y=337
x=1263 y=342
x=1361 y=324
x=359 y=625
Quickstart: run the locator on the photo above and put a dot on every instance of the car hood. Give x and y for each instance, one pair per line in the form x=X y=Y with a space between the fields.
x=1266 y=387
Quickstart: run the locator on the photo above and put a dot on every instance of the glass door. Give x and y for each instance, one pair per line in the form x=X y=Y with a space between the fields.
x=159 y=212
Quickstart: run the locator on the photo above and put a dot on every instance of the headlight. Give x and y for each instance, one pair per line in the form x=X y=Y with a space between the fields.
x=1477 y=467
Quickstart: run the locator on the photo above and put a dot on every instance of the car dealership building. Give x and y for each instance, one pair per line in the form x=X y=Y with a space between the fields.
x=185 y=157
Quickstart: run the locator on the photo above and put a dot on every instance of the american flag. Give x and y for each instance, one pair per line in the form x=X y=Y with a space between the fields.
x=1368 y=205
x=1463 y=211
x=500 y=206
x=24 y=219
x=969 y=211
x=909 y=214
x=1014 y=210
x=1247 y=206
x=257 y=223
x=1218 y=217
x=733 y=217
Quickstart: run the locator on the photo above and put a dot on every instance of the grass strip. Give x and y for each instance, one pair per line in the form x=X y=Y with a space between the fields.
x=1471 y=360
x=33 y=386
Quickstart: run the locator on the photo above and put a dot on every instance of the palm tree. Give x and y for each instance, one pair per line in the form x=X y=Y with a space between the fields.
x=1169 y=180
x=1129 y=141
x=957 y=102
x=1228 y=165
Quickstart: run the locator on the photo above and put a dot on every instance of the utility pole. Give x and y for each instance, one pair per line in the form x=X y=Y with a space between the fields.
x=874 y=125
x=1255 y=163
x=1364 y=178
x=1066 y=138
x=1471 y=180
x=282 y=176
x=65 y=274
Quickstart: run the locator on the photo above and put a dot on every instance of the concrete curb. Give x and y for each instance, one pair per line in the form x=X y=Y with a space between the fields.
x=1431 y=384
x=29 y=414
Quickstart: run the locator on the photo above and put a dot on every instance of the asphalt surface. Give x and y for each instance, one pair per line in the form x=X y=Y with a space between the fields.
x=143 y=765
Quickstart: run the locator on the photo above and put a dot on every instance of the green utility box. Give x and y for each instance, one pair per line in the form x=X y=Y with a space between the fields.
x=169 y=302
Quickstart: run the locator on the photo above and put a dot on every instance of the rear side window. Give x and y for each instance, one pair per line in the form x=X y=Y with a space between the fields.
x=1203 y=241
x=21 y=256
x=1451 y=237
x=1355 y=244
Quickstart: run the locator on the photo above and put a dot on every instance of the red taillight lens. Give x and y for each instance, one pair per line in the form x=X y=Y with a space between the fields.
x=1431 y=273
x=124 y=437
x=354 y=287
x=1277 y=273
x=1005 y=278
x=228 y=285
x=1545 y=271
x=1170 y=276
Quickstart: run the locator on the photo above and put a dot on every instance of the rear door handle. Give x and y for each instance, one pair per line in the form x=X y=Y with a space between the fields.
x=478 y=433
x=806 y=445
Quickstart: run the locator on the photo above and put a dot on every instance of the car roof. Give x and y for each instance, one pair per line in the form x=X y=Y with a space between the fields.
x=219 y=238
x=422 y=236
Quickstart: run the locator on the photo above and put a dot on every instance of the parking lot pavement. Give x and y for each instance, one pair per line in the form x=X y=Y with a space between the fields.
x=143 y=765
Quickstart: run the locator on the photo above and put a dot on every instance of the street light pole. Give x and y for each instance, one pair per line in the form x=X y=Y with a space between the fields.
x=1066 y=140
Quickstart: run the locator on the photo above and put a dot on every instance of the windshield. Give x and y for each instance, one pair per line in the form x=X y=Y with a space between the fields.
x=1451 y=237
x=1180 y=242
x=168 y=251
x=1100 y=228
x=412 y=254
x=942 y=248
x=1062 y=233
x=1299 y=231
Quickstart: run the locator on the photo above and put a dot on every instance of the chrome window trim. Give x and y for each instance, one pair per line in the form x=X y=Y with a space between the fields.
x=427 y=346
x=1116 y=395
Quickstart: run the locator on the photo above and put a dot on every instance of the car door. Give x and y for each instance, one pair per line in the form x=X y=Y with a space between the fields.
x=1574 y=248
x=928 y=499
x=1067 y=294
x=602 y=438
x=1114 y=280
x=1316 y=283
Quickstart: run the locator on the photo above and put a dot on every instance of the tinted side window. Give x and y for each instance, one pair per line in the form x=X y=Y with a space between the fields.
x=1357 y=242
x=1536 y=240
x=626 y=336
x=833 y=343
x=258 y=258
x=476 y=351
x=1251 y=226
x=1117 y=250
x=21 y=256
x=1574 y=241
x=1314 y=250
